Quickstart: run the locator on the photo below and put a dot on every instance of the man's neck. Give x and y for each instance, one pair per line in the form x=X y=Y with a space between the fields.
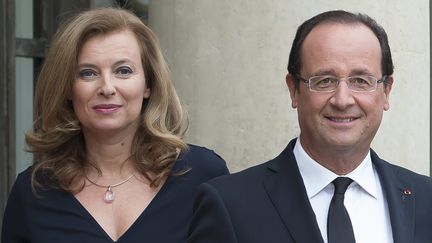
x=339 y=160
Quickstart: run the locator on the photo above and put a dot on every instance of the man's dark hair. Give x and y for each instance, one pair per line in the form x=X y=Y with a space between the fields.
x=343 y=17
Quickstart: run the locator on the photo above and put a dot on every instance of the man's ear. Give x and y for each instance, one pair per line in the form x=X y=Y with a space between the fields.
x=387 y=89
x=292 y=87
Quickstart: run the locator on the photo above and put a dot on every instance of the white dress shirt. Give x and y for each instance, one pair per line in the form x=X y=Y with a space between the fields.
x=364 y=198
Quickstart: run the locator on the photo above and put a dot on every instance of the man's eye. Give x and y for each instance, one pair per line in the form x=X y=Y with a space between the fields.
x=326 y=81
x=360 y=81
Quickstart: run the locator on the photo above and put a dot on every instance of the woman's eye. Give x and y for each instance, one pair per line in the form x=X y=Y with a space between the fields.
x=124 y=71
x=87 y=73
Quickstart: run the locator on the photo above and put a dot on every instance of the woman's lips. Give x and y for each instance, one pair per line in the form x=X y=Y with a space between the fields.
x=106 y=108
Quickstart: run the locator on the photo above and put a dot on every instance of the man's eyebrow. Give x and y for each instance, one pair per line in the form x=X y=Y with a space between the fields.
x=361 y=71
x=325 y=71
x=332 y=72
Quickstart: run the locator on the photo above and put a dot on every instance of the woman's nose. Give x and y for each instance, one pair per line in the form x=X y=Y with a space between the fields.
x=107 y=87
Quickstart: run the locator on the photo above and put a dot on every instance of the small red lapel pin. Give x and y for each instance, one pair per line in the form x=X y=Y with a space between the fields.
x=407 y=192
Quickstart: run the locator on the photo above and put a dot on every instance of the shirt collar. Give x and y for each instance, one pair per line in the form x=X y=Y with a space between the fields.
x=316 y=177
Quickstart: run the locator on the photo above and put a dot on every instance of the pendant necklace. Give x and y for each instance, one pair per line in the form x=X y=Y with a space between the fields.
x=109 y=194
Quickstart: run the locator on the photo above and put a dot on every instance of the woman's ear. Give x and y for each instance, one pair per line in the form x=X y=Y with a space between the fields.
x=147 y=93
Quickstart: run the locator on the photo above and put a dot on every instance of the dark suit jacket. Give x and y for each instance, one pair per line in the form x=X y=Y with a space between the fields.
x=268 y=203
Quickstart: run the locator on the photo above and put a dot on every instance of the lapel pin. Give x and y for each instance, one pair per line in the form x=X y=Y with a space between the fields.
x=407 y=192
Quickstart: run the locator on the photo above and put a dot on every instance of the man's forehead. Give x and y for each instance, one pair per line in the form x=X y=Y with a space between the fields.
x=337 y=32
x=335 y=45
x=327 y=27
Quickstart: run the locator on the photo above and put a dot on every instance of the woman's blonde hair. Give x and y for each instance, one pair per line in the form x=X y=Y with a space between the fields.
x=57 y=141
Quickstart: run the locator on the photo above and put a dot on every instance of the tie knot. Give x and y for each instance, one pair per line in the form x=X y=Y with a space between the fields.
x=341 y=184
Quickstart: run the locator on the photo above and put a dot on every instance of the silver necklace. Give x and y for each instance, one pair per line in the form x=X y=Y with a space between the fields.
x=110 y=194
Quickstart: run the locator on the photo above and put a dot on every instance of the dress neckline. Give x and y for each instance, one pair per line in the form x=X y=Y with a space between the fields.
x=152 y=204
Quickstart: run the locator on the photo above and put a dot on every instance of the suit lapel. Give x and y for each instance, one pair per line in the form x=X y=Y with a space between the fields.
x=400 y=195
x=288 y=195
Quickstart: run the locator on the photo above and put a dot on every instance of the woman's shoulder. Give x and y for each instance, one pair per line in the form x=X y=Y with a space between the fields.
x=21 y=189
x=23 y=178
x=27 y=185
x=198 y=155
x=196 y=151
x=203 y=161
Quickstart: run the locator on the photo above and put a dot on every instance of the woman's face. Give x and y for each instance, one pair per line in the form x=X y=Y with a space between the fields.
x=108 y=93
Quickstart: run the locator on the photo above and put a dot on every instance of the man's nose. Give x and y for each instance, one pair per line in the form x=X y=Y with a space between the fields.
x=343 y=95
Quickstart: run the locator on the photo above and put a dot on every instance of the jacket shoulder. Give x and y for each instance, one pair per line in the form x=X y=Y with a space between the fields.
x=421 y=181
x=408 y=175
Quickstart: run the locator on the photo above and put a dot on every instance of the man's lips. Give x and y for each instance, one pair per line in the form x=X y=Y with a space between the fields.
x=345 y=119
x=341 y=119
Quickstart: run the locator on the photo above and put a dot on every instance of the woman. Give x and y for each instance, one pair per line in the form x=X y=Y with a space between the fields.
x=111 y=165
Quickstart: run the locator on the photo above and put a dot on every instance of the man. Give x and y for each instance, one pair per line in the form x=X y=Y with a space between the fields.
x=327 y=185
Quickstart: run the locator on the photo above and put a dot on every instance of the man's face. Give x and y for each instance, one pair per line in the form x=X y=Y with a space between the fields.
x=342 y=120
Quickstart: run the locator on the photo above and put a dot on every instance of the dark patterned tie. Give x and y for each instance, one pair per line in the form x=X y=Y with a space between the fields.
x=339 y=227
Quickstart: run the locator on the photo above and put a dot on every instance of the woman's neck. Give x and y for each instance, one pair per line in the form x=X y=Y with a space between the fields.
x=111 y=155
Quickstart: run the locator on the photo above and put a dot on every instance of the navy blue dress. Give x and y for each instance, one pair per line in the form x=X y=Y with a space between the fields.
x=56 y=216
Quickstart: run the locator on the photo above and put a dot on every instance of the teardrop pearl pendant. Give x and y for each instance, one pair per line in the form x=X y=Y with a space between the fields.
x=109 y=195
